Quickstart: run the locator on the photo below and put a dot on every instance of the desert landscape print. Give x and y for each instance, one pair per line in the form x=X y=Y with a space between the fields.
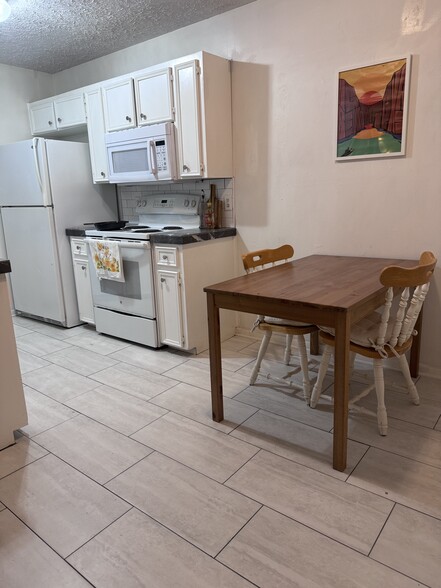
x=371 y=109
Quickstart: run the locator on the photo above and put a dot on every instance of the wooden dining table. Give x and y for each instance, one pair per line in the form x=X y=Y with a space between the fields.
x=330 y=290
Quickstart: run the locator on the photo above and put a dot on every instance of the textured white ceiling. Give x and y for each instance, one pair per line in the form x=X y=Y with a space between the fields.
x=53 y=35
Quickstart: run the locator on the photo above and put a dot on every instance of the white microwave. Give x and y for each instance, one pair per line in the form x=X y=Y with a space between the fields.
x=145 y=154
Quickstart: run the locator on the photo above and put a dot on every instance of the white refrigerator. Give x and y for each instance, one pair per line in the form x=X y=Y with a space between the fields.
x=45 y=187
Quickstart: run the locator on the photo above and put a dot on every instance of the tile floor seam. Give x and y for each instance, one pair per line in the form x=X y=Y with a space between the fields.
x=224 y=483
x=381 y=530
x=74 y=416
x=374 y=447
x=25 y=465
x=278 y=414
x=45 y=542
x=237 y=533
x=147 y=425
x=193 y=419
x=96 y=534
x=392 y=452
x=47 y=358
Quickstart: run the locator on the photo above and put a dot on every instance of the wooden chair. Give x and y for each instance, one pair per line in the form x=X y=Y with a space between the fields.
x=257 y=260
x=385 y=334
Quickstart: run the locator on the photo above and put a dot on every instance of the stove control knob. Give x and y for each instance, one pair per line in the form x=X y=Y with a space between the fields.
x=186 y=203
x=193 y=203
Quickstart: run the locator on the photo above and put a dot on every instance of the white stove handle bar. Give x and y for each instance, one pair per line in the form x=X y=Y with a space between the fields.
x=122 y=242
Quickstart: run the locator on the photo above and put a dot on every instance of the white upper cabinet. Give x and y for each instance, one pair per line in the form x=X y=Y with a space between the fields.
x=192 y=92
x=119 y=105
x=154 y=97
x=42 y=117
x=95 y=131
x=188 y=118
x=65 y=111
x=203 y=116
x=69 y=110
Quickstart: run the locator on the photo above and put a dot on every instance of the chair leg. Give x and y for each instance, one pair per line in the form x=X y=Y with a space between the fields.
x=304 y=364
x=287 y=356
x=379 y=388
x=317 y=390
x=262 y=350
x=410 y=385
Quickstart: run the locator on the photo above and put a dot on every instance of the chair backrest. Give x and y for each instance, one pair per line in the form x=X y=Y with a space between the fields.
x=397 y=327
x=259 y=259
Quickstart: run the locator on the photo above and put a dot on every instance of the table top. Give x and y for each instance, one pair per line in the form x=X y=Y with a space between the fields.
x=327 y=281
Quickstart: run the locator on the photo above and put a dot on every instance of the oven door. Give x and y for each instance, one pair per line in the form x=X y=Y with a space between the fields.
x=135 y=295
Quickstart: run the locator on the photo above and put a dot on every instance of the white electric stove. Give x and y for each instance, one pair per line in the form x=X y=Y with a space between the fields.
x=127 y=309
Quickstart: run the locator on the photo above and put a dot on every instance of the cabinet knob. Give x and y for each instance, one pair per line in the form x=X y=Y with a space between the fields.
x=83 y=267
x=78 y=247
x=128 y=118
x=59 y=119
x=103 y=174
x=185 y=168
x=163 y=279
x=49 y=122
x=165 y=257
x=143 y=115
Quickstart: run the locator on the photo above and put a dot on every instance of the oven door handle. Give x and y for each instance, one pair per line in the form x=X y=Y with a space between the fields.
x=123 y=244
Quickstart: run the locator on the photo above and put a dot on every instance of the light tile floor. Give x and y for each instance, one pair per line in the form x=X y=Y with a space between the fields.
x=121 y=479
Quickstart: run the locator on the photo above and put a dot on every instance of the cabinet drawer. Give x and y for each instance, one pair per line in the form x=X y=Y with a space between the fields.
x=79 y=247
x=166 y=256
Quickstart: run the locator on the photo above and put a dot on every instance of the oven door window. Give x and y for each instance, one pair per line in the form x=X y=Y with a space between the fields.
x=130 y=288
x=134 y=295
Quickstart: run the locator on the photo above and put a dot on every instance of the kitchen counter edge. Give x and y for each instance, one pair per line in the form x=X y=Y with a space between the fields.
x=5 y=266
x=175 y=237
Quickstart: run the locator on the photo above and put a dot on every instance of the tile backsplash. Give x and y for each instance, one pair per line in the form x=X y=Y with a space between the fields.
x=130 y=197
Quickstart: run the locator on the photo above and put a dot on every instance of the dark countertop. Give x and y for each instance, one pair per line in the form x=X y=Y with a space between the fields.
x=76 y=231
x=173 y=237
x=5 y=266
x=191 y=236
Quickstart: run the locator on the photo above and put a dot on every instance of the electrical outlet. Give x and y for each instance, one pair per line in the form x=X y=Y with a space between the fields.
x=228 y=202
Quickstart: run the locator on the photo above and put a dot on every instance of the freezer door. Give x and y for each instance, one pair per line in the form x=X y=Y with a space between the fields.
x=23 y=173
x=31 y=248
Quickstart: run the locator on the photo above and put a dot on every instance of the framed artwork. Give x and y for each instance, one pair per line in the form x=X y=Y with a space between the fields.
x=372 y=110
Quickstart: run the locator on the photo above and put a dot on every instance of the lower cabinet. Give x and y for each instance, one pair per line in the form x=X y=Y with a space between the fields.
x=182 y=272
x=82 y=280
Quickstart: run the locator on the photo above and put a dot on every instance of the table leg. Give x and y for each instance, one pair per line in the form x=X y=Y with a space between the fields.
x=214 y=341
x=314 y=347
x=414 y=362
x=341 y=390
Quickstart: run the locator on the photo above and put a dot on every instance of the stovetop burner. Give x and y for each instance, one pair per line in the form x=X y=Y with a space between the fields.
x=164 y=212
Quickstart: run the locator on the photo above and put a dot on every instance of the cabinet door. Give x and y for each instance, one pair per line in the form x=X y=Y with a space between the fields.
x=119 y=106
x=42 y=117
x=95 y=131
x=170 y=308
x=154 y=98
x=188 y=119
x=83 y=288
x=69 y=111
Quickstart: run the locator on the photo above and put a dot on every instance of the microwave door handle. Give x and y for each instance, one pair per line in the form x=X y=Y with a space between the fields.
x=153 y=160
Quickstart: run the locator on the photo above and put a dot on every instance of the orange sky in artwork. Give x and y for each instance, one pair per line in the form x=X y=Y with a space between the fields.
x=370 y=82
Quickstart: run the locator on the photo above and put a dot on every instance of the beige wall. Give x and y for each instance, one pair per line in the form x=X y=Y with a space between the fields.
x=19 y=86
x=288 y=188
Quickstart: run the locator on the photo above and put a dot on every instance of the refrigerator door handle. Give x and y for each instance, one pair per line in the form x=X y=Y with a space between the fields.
x=37 y=165
x=43 y=185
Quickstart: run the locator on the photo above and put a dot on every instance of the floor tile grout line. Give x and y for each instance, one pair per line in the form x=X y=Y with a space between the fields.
x=46 y=543
x=24 y=466
x=224 y=483
x=98 y=533
x=382 y=529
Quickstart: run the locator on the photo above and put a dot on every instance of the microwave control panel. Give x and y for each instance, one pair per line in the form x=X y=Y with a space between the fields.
x=161 y=155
